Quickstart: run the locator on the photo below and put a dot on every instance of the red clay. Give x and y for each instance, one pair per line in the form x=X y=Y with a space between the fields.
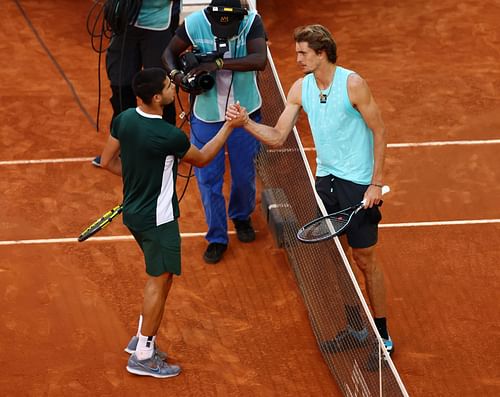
x=240 y=328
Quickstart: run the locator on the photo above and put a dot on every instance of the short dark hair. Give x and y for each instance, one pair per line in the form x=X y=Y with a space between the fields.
x=319 y=39
x=149 y=82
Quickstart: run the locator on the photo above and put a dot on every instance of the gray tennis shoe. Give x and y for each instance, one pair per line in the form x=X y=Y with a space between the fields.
x=154 y=366
x=132 y=346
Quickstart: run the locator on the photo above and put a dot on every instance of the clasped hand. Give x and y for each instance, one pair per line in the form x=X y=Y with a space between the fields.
x=236 y=115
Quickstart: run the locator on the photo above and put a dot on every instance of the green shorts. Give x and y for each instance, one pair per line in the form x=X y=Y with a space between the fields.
x=161 y=246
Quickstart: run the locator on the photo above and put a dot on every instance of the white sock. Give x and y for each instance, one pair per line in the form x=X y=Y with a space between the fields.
x=145 y=347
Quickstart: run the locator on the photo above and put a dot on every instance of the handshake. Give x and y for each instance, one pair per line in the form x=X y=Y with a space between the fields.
x=237 y=115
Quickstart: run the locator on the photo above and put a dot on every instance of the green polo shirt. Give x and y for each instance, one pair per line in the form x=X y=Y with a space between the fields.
x=149 y=150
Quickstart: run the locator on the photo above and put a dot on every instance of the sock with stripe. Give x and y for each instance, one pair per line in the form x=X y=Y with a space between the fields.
x=145 y=347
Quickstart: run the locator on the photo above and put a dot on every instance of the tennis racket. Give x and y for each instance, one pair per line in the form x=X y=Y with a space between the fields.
x=101 y=223
x=331 y=225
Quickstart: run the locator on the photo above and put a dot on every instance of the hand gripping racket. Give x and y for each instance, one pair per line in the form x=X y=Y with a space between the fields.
x=331 y=225
x=101 y=223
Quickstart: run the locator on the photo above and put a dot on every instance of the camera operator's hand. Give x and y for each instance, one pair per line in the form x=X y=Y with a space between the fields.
x=179 y=75
x=208 y=67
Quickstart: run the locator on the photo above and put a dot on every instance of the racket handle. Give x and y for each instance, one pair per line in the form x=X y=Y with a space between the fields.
x=385 y=189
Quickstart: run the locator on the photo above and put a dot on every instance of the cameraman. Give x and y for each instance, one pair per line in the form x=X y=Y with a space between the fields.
x=230 y=45
x=138 y=45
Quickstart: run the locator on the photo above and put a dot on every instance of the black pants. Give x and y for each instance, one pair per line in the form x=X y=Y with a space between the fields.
x=129 y=53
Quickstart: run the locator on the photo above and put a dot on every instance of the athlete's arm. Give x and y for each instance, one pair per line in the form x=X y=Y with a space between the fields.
x=201 y=157
x=362 y=99
x=110 y=157
x=277 y=135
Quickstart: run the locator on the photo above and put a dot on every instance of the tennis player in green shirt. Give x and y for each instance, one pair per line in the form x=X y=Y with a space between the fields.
x=145 y=149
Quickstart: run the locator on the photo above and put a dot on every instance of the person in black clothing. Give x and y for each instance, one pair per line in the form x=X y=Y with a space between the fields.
x=140 y=46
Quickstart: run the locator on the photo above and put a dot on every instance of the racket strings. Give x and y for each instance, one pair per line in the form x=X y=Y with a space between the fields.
x=325 y=227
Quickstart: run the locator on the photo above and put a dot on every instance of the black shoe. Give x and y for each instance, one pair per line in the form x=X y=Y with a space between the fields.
x=214 y=252
x=244 y=230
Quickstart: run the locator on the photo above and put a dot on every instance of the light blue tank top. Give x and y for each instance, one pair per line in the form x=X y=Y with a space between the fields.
x=155 y=14
x=343 y=141
x=211 y=105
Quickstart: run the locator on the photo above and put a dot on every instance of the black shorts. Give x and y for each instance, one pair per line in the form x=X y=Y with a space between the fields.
x=338 y=194
x=161 y=246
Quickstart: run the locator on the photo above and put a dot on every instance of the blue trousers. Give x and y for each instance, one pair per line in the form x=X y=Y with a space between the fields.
x=242 y=149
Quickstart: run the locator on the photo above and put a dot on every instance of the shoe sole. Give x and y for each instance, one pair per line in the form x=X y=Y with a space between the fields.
x=246 y=240
x=154 y=375
x=129 y=351
x=212 y=262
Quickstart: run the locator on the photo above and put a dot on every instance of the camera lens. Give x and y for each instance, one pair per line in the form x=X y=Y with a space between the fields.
x=205 y=81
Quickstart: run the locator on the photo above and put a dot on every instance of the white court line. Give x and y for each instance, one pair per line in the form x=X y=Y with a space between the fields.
x=202 y=234
x=307 y=149
x=444 y=143
x=411 y=144
x=440 y=223
x=46 y=161
x=75 y=240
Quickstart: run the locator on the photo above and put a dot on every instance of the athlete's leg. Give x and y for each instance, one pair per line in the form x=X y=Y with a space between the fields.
x=374 y=279
x=155 y=295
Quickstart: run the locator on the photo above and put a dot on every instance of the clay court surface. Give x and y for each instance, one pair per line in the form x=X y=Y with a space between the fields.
x=240 y=328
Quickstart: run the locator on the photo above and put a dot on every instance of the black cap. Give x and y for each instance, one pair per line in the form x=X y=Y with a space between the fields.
x=225 y=17
x=226 y=3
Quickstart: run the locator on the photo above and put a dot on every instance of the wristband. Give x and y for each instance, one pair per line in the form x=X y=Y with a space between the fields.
x=377 y=184
x=219 y=63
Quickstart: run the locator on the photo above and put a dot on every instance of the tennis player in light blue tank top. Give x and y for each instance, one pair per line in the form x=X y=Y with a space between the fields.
x=349 y=136
x=343 y=141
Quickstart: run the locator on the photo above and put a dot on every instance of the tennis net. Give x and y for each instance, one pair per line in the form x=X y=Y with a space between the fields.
x=325 y=279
